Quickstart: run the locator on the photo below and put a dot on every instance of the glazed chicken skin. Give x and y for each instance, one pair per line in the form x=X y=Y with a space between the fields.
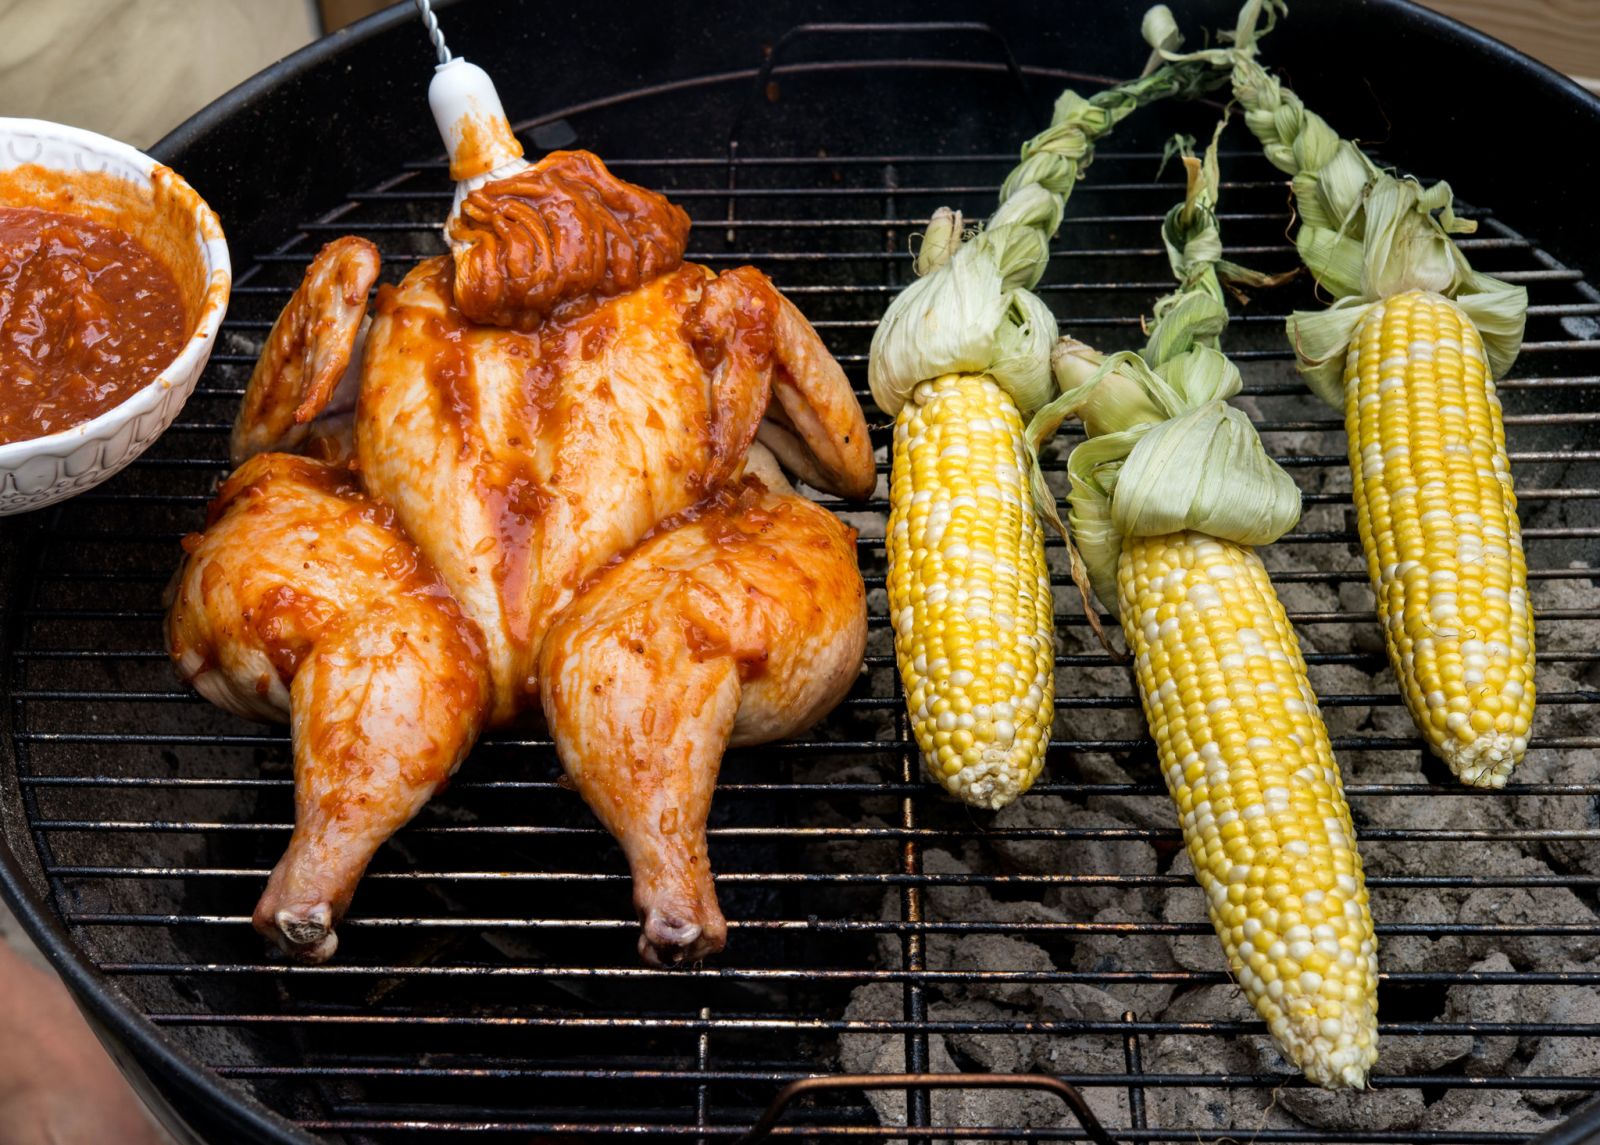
x=524 y=505
x=740 y=624
x=522 y=462
x=291 y=392
x=302 y=600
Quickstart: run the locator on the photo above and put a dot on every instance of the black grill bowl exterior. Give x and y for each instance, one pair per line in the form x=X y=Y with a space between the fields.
x=302 y=150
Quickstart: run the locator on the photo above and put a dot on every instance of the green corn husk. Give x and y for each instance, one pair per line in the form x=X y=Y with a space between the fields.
x=1165 y=452
x=973 y=310
x=1365 y=234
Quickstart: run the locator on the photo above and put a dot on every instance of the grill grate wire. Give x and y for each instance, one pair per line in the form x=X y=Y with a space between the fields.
x=486 y=981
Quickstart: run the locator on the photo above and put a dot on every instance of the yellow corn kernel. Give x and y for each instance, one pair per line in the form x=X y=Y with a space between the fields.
x=1438 y=520
x=1248 y=763
x=969 y=590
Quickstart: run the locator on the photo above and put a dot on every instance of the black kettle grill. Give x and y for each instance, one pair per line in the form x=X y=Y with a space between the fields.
x=486 y=987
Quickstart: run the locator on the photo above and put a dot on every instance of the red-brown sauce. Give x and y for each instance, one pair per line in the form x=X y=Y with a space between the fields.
x=564 y=228
x=484 y=143
x=287 y=622
x=731 y=512
x=731 y=328
x=449 y=372
x=517 y=505
x=87 y=318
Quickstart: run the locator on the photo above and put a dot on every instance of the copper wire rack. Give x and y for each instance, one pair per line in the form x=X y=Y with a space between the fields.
x=486 y=984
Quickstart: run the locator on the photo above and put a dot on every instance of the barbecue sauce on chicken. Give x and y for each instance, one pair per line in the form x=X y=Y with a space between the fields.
x=562 y=229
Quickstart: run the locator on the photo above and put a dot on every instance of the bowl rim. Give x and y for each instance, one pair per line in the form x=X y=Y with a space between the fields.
x=184 y=369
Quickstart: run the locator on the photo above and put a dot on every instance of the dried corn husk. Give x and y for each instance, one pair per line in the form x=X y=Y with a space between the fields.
x=973 y=309
x=1365 y=233
x=1165 y=453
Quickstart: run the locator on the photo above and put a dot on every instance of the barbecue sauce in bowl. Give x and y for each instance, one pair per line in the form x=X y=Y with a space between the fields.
x=88 y=317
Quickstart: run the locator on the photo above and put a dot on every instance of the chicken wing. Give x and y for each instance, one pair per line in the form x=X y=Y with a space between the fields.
x=814 y=426
x=302 y=599
x=308 y=351
x=813 y=423
x=740 y=622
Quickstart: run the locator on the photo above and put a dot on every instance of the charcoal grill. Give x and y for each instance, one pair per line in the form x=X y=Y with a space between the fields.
x=486 y=984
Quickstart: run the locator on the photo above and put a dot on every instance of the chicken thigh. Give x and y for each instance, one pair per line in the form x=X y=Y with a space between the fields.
x=743 y=622
x=302 y=600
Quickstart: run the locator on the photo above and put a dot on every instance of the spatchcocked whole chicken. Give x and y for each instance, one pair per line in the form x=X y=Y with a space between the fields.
x=543 y=479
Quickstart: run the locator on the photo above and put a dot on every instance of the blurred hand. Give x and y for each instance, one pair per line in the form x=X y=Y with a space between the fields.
x=57 y=1085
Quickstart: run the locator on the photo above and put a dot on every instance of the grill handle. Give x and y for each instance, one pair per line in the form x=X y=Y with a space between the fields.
x=796 y=1089
x=769 y=61
x=912 y=27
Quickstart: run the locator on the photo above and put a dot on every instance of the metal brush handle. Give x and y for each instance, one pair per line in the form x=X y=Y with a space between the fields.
x=1064 y=1090
x=466 y=109
x=431 y=22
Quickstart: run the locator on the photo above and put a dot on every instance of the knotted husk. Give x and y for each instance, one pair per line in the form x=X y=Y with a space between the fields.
x=972 y=314
x=973 y=309
x=1164 y=452
x=1365 y=234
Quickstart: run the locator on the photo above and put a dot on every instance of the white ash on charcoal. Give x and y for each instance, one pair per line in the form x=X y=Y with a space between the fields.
x=1567 y=721
x=1503 y=1110
x=1149 y=811
x=960 y=1108
x=1187 y=904
x=956 y=903
x=1386 y=1108
x=1043 y=1000
x=1444 y=1098
x=1074 y=857
x=1372 y=1109
x=1204 y=1110
x=1546 y=813
x=1131 y=950
x=1355 y=595
x=1314 y=596
x=1557 y=1056
x=1071 y=1055
x=1076 y=1056
x=986 y=1052
x=1490 y=907
x=971 y=904
x=1488 y=1054
x=1419 y=1055
x=1066 y=903
x=1388 y=719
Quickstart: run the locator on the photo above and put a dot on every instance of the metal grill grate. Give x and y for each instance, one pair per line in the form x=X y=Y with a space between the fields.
x=486 y=980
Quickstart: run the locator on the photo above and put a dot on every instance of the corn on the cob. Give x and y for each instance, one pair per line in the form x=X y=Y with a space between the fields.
x=1248 y=763
x=959 y=358
x=1169 y=492
x=969 y=590
x=1438 y=521
x=1409 y=353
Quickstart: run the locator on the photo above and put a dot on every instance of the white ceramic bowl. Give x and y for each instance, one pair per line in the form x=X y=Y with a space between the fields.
x=78 y=172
